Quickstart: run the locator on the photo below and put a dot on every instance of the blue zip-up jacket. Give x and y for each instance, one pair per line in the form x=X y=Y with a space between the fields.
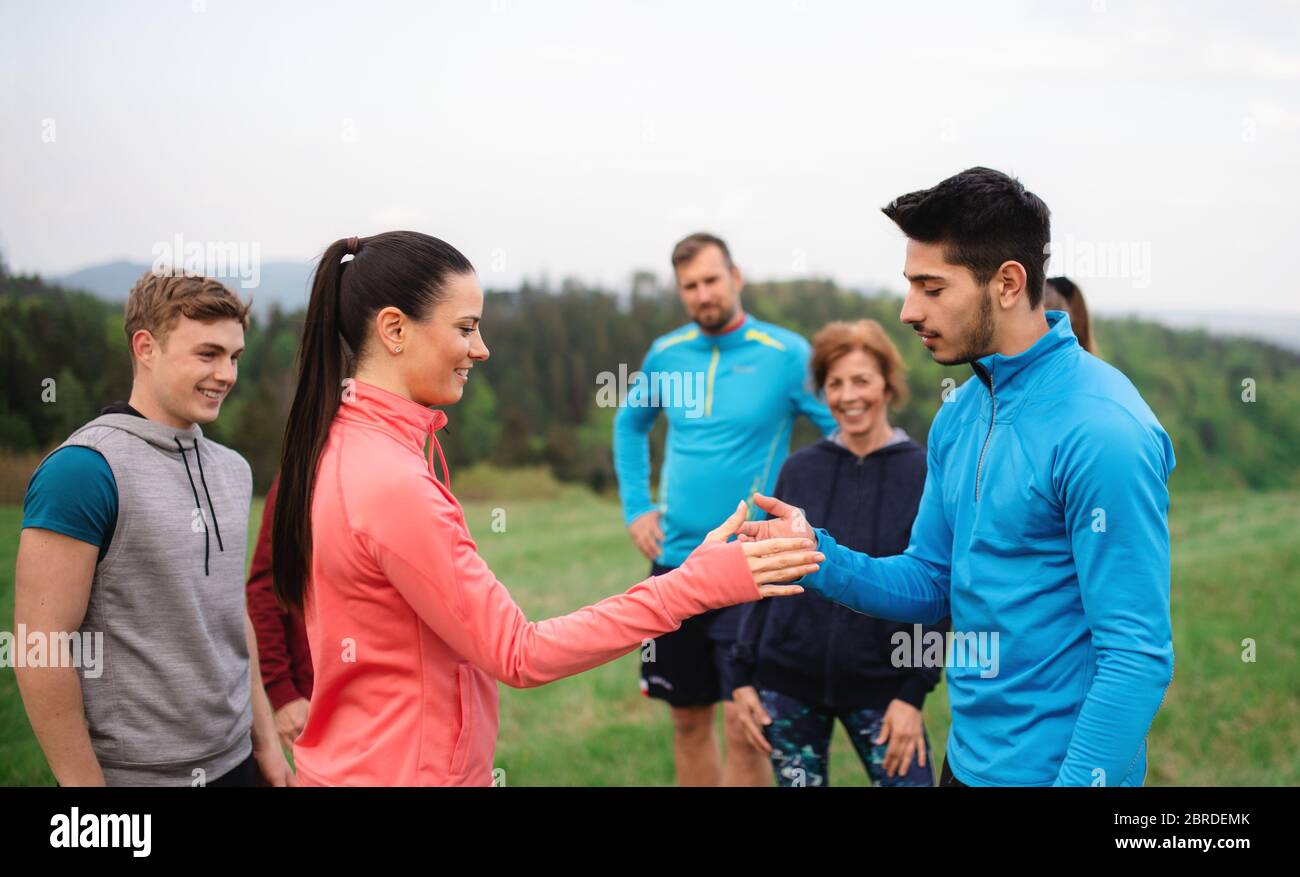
x=728 y=426
x=1043 y=528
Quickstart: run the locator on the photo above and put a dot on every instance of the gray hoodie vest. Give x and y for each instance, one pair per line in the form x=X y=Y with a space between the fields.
x=172 y=705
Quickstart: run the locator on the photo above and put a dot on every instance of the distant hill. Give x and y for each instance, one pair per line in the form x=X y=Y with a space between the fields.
x=282 y=283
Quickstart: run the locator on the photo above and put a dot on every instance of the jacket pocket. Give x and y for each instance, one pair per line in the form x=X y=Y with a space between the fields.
x=471 y=759
x=467 y=685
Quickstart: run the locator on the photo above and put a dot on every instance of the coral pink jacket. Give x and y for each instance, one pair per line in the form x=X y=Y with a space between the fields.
x=410 y=631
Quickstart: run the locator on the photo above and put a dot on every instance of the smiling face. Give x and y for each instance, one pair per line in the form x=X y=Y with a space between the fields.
x=951 y=313
x=857 y=393
x=182 y=378
x=438 y=353
x=710 y=289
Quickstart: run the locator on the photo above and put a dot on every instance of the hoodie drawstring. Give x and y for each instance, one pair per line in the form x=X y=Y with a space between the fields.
x=207 y=540
x=433 y=443
x=216 y=525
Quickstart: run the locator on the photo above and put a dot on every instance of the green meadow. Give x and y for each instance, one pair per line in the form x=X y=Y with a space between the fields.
x=1225 y=720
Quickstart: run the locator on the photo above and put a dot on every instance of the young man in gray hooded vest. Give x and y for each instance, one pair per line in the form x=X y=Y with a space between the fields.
x=129 y=587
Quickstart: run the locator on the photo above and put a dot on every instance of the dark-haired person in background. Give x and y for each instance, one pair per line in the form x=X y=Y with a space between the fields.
x=409 y=630
x=1063 y=294
x=803 y=662
x=1043 y=528
x=134 y=528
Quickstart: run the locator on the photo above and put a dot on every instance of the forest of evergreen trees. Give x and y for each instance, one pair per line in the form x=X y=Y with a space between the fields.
x=533 y=403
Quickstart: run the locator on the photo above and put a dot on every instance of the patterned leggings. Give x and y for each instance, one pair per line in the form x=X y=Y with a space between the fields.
x=801 y=737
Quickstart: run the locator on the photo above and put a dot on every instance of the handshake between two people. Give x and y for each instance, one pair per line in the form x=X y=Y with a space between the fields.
x=780 y=549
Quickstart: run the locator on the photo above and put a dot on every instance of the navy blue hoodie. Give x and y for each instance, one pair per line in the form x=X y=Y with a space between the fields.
x=820 y=652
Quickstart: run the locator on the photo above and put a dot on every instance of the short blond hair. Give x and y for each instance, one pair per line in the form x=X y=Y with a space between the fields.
x=839 y=339
x=159 y=300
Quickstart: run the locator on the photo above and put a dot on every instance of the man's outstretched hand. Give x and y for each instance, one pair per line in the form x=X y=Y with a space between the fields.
x=784 y=521
x=771 y=561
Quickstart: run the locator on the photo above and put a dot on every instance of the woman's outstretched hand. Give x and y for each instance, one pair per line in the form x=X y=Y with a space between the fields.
x=777 y=559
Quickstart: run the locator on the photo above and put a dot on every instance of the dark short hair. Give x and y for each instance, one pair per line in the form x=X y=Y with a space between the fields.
x=983 y=218
x=690 y=246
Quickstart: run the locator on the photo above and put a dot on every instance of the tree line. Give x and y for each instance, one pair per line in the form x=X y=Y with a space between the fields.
x=1231 y=405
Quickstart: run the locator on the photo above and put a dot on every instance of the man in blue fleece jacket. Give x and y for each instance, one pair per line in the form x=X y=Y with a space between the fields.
x=1043 y=525
x=730 y=387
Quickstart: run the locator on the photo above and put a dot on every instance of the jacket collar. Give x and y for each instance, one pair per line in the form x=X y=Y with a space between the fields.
x=835 y=441
x=412 y=423
x=1009 y=378
x=733 y=336
x=160 y=435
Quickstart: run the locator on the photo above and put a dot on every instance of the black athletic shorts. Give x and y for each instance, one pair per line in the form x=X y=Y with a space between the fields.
x=688 y=667
x=244 y=774
x=946 y=779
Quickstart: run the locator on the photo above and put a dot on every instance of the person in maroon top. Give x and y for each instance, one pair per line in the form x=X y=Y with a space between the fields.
x=281 y=638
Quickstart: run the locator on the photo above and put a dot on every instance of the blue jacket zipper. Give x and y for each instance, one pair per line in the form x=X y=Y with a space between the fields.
x=988 y=382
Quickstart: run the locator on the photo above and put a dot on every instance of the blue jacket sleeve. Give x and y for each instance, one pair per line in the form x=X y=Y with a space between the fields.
x=631 y=449
x=803 y=395
x=1112 y=475
x=912 y=586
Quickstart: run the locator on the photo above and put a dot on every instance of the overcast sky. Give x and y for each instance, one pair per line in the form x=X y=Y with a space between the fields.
x=585 y=138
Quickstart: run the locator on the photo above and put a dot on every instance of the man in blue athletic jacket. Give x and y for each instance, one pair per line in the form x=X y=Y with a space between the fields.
x=730 y=387
x=1043 y=526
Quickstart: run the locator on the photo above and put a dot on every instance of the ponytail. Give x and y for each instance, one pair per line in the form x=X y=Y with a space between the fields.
x=321 y=368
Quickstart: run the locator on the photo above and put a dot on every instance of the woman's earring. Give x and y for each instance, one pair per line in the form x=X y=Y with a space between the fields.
x=397 y=349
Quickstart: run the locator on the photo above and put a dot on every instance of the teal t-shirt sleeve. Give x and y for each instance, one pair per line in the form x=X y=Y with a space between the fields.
x=74 y=493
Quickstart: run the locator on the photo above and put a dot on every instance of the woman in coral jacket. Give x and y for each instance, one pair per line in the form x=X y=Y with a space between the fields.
x=408 y=628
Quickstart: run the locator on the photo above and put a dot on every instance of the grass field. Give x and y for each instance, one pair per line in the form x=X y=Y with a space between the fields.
x=1224 y=721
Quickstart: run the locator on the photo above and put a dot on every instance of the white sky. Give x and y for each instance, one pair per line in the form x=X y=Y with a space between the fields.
x=585 y=138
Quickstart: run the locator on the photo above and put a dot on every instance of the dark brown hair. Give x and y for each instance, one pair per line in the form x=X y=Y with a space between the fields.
x=1080 y=322
x=690 y=246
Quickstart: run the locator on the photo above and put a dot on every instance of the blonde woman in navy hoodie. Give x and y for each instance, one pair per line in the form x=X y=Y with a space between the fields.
x=804 y=662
